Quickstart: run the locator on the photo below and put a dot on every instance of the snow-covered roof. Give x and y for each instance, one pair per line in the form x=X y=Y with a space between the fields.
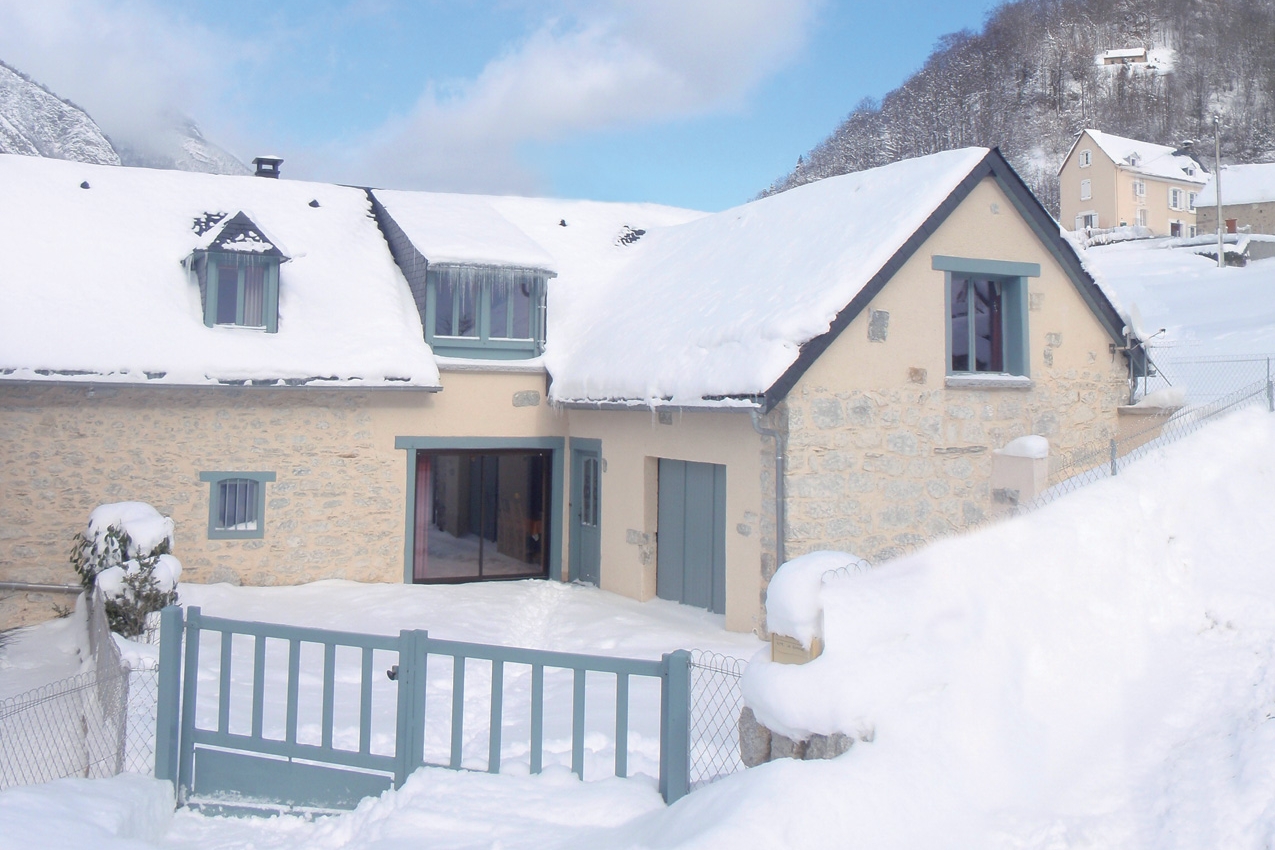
x=1152 y=160
x=1241 y=184
x=462 y=229
x=1206 y=310
x=94 y=285
x=721 y=306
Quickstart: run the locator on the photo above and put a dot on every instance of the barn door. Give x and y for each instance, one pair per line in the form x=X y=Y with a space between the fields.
x=691 y=539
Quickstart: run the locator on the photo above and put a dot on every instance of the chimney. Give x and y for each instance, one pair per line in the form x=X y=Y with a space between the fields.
x=268 y=166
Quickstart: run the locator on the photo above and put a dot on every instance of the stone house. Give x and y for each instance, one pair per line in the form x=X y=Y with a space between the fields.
x=324 y=382
x=1248 y=200
x=1110 y=181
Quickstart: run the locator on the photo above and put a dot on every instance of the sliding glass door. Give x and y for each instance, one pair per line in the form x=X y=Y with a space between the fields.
x=481 y=515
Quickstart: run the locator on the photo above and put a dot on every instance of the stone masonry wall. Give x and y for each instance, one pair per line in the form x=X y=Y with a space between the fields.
x=64 y=450
x=877 y=473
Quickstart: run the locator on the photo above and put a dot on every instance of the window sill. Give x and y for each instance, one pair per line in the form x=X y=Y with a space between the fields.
x=990 y=381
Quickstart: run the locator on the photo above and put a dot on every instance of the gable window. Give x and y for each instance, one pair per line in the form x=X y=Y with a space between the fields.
x=237 y=272
x=1086 y=190
x=986 y=316
x=236 y=504
x=1086 y=158
x=490 y=312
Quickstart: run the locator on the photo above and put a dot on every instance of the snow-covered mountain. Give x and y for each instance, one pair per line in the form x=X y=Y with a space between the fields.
x=181 y=147
x=36 y=122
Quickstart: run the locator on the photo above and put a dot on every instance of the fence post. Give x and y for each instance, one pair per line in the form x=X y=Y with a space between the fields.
x=1270 y=388
x=1113 y=457
x=410 y=740
x=189 y=697
x=167 y=721
x=675 y=725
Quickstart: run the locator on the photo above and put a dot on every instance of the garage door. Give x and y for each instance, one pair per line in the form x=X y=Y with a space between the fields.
x=691 y=539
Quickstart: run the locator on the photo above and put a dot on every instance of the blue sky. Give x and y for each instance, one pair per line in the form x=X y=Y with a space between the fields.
x=698 y=104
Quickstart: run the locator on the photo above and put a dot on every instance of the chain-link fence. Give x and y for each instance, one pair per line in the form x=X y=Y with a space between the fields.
x=716 y=702
x=1205 y=389
x=94 y=724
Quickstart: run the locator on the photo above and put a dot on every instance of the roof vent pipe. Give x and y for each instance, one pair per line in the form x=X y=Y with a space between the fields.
x=268 y=166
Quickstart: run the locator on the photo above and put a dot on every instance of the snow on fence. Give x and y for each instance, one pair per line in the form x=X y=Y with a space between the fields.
x=94 y=724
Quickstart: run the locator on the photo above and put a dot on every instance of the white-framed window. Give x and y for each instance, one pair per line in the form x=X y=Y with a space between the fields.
x=1175 y=198
x=1175 y=228
x=1142 y=217
x=1086 y=158
x=1190 y=200
x=1191 y=230
x=1139 y=188
x=1086 y=220
x=1086 y=190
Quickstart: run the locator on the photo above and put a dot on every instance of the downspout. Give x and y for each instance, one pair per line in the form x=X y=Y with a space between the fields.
x=779 y=485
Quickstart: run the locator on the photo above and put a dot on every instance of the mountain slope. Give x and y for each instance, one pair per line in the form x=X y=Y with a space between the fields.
x=1032 y=79
x=181 y=147
x=36 y=122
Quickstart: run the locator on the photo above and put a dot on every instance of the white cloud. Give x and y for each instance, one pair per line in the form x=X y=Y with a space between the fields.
x=585 y=66
x=592 y=67
x=129 y=63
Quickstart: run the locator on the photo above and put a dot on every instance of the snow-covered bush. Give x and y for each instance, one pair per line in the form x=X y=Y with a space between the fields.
x=126 y=553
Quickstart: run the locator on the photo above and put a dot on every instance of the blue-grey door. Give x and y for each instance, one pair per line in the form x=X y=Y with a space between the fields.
x=691 y=537
x=586 y=514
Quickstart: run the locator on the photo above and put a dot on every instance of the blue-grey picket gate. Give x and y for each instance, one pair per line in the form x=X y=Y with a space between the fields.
x=214 y=764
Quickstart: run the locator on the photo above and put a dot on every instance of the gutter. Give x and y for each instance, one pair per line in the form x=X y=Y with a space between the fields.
x=779 y=486
x=32 y=587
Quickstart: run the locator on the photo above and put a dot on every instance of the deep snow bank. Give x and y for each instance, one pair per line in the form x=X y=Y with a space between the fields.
x=1096 y=673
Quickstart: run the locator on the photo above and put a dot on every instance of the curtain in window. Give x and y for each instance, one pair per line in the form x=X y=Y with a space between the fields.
x=254 y=296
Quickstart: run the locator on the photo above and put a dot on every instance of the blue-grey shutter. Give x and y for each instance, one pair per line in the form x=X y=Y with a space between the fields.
x=1017 y=355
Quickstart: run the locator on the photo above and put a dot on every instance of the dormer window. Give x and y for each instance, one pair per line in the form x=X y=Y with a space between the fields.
x=1133 y=159
x=238 y=273
x=489 y=312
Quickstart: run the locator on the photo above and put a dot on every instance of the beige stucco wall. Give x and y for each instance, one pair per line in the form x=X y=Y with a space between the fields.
x=882 y=454
x=1102 y=175
x=632 y=443
x=1112 y=193
x=336 y=510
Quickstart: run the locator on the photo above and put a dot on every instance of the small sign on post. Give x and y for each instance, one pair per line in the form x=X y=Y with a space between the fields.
x=789 y=650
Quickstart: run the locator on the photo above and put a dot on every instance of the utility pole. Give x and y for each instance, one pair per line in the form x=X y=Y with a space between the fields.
x=1217 y=185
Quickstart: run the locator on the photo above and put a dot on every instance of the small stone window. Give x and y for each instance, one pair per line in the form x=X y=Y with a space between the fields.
x=236 y=504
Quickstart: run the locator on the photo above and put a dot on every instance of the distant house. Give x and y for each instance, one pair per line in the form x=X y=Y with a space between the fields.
x=1110 y=181
x=1248 y=200
x=1124 y=56
x=318 y=381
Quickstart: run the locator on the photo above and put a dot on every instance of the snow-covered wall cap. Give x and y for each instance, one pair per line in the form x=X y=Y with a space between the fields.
x=1241 y=184
x=1032 y=446
x=451 y=229
x=1152 y=160
x=719 y=307
x=794 y=606
x=95 y=289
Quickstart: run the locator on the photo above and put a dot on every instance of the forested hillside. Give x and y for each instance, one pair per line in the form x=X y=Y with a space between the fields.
x=1032 y=79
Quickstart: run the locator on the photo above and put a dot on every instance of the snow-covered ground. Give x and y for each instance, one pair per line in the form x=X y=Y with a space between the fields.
x=1098 y=673
x=1206 y=311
